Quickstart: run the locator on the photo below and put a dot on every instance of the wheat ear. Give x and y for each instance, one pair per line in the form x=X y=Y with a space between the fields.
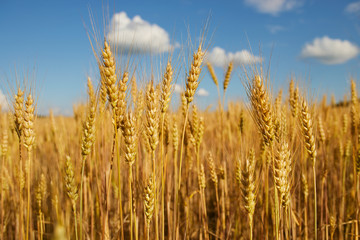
x=309 y=141
x=248 y=188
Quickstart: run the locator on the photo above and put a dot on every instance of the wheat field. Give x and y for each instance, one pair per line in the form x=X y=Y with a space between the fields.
x=129 y=165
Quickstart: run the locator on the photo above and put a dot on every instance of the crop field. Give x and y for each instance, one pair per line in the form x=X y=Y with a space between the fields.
x=141 y=159
x=125 y=166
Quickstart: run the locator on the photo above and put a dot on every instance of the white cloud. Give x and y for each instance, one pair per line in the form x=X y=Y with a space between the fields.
x=3 y=102
x=220 y=58
x=178 y=88
x=137 y=35
x=353 y=7
x=202 y=92
x=330 y=51
x=275 y=28
x=273 y=7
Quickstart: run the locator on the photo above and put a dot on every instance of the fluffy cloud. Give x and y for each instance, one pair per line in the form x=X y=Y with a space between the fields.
x=137 y=35
x=178 y=88
x=275 y=28
x=353 y=7
x=273 y=6
x=330 y=51
x=202 y=92
x=218 y=57
x=3 y=102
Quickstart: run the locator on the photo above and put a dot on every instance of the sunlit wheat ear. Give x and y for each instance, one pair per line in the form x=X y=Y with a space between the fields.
x=103 y=89
x=278 y=102
x=282 y=170
x=28 y=125
x=18 y=111
x=201 y=177
x=212 y=73
x=152 y=123
x=212 y=169
x=41 y=191
x=322 y=136
x=354 y=97
x=228 y=75
x=200 y=132
x=130 y=138
x=71 y=188
x=175 y=136
x=5 y=143
x=20 y=177
x=88 y=137
x=294 y=99
x=238 y=171
x=305 y=186
x=354 y=108
x=307 y=129
x=280 y=127
x=189 y=136
x=183 y=104
x=166 y=88
x=248 y=183
x=354 y=117
x=194 y=122
x=134 y=89
x=139 y=106
x=241 y=122
x=194 y=73
x=121 y=105
x=149 y=201
x=345 y=124
x=109 y=72
x=70 y=184
x=261 y=109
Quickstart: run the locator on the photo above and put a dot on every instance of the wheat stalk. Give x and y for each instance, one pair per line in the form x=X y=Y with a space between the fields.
x=71 y=188
x=248 y=188
x=309 y=141
x=29 y=139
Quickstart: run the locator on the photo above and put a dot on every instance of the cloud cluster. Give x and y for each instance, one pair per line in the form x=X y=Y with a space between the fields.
x=200 y=92
x=330 y=51
x=137 y=35
x=220 y=58
x=353 y=8
x=273 y=7
x=178 y=88
x=3 y=101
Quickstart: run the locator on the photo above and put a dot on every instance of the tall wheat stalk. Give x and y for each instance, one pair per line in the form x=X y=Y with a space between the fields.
x=29 y=139
x=191 y=86
x=88 y=140
x=164 y=105
x=309 y=141
x=108 y=70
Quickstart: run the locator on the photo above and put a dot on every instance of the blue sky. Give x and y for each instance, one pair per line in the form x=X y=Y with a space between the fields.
x=316 y=41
